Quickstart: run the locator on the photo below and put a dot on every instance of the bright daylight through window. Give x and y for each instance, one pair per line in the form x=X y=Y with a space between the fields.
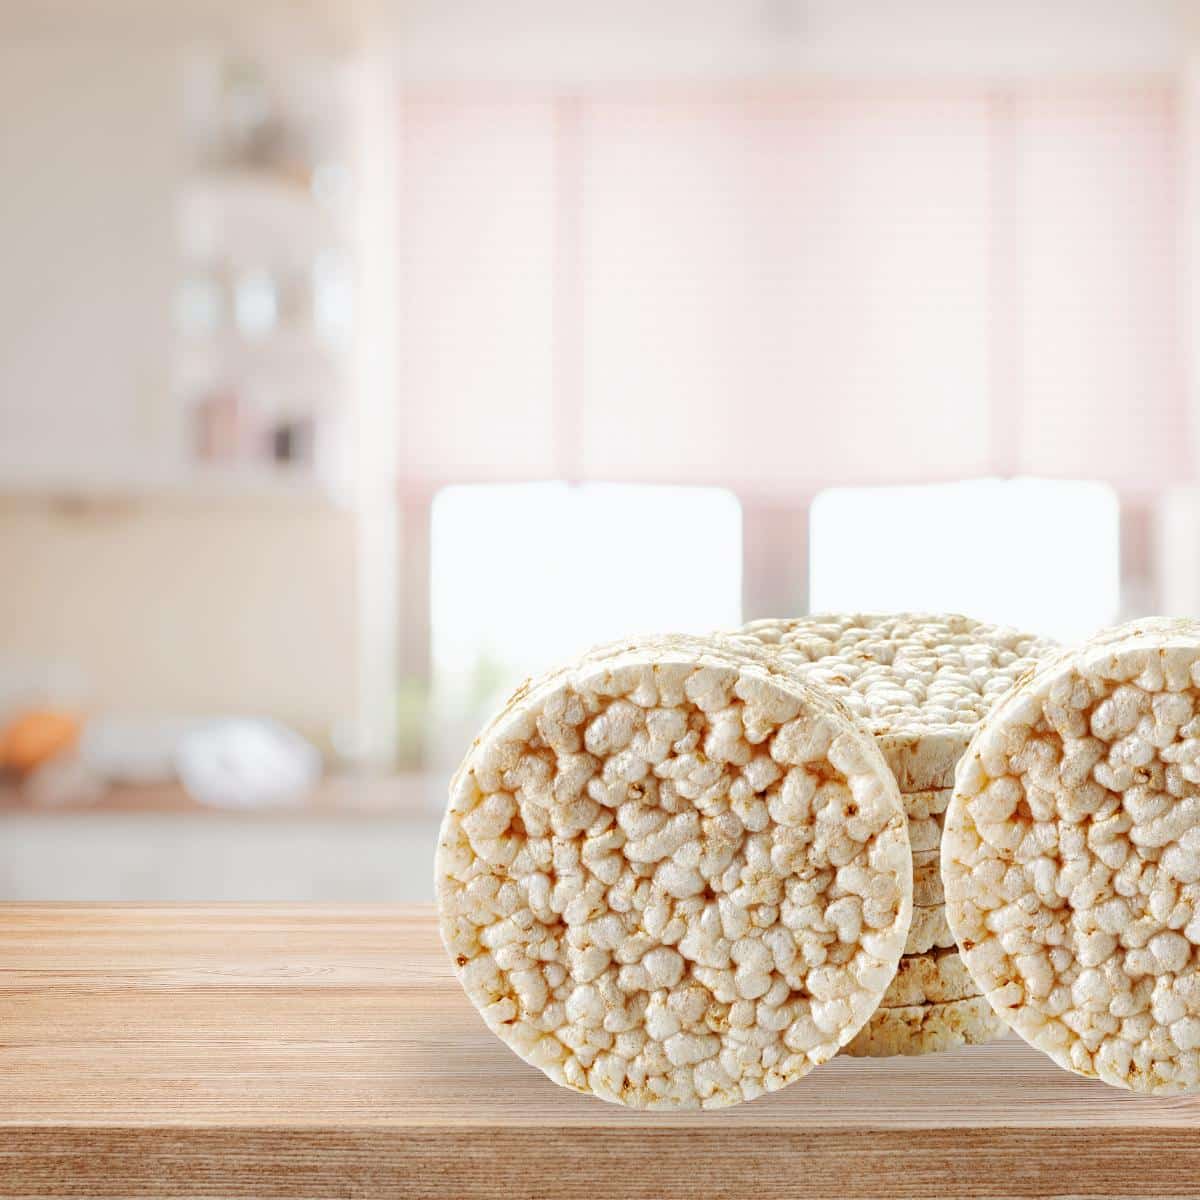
x=1036 y=553
x=524 y=576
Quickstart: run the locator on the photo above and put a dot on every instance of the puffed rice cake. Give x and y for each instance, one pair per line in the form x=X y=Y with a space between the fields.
x=935 y=977
x=921 y=683
x=930 y=930
x=921 y=806
x=673 y=876
x=931 y=973
x=927 y=1029
x=927 y=879
x=1071 y=858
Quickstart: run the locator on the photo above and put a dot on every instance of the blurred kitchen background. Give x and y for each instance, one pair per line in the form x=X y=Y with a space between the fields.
x=359 y=357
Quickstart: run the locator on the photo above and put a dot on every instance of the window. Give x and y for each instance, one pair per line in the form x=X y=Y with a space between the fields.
x=525 y=576
x=1039 y=554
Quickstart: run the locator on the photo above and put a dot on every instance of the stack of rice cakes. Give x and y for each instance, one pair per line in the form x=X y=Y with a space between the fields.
x=921 y=683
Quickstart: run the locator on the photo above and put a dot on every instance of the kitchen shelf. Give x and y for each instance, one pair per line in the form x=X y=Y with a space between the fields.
x=254 y=215
x=286 y=352
x=200 y=484
x=276 y=1050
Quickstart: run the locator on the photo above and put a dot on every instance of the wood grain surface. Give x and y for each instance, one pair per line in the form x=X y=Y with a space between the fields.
x=294 y=1050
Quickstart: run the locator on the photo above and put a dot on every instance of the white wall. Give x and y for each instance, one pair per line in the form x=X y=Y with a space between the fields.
x=721 y=39
x=89 y=152
x=695 y=39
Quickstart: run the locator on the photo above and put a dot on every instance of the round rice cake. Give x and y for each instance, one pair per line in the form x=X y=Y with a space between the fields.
x=927 y=879
x=921 y=682
x=921 y=806
x=927 y=1029
x=925 y=834
x=1071 y=858
x=936 y=977
x=672 y=876
x=930 y=930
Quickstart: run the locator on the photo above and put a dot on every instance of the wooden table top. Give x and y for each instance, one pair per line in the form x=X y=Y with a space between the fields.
x=301 y=1050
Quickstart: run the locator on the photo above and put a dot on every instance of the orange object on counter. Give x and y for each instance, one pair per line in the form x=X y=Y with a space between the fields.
x=36 y=736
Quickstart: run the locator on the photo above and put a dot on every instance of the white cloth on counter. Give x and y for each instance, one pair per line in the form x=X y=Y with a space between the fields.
x=247 y=763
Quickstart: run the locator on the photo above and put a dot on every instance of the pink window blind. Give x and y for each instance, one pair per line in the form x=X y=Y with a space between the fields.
x=796 y=284
x=476 y=286
x=1099 y=384
x=778 y=290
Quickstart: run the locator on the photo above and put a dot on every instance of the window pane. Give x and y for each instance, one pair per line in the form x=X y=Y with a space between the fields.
x=1039 y=554
x=525 y=576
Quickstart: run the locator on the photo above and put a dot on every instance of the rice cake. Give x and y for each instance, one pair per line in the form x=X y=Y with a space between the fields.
x=671 y=876
x=927 y=1029
x=935 y=977
x=927 y=879
x=1071 y=858
x=920 y=806
x=930 y=930
x=921 y=682
x=925 y=835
